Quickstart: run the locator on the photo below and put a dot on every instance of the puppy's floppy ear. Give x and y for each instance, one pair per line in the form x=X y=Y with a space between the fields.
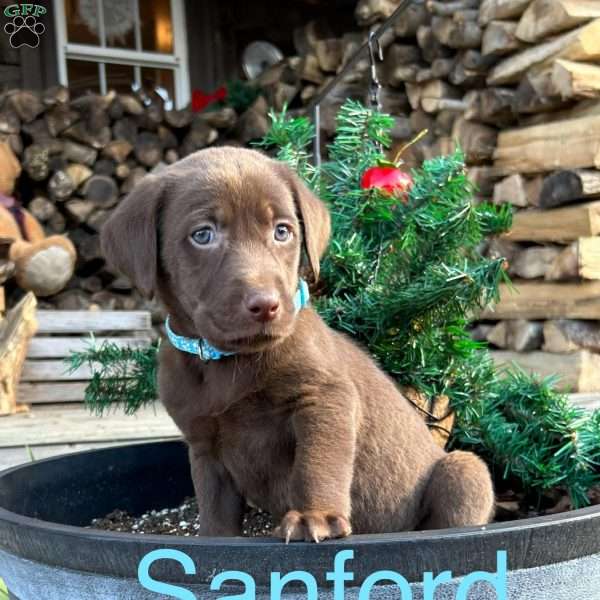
x=129 y=238
x=316 y=222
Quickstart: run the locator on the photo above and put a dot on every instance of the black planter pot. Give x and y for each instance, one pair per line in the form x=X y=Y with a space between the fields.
x=47 y=553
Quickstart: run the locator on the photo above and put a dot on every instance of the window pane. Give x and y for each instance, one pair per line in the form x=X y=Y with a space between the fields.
x=119 y=23
x=83 y=77
x=119 y=77
x=159 y=77
x=82 y=22
x=156 y=25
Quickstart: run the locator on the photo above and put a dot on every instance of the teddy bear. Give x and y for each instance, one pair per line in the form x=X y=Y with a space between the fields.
x=43 y=264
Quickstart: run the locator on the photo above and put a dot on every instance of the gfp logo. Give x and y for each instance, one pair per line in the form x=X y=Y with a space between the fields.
x=24 y=29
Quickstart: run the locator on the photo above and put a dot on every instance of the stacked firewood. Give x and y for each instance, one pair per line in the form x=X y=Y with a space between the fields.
x=543 y=94
x=517 y=84
x=432 y=60
x=81 y=156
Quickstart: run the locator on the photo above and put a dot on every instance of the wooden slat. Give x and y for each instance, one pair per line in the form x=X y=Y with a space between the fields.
x=74 y=424
x=83 y=321
x=51 y=392
x=541 y=300
x=11 y=457
x=59 y=347
x=10 y=74
x=578 y=371
x=53 y=370
x=558 y=225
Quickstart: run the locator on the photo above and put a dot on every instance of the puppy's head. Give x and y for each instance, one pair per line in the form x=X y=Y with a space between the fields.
x=219 y=237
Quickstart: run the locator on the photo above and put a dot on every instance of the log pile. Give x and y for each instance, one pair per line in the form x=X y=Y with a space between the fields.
x=545 y=163
x=80 y=157
x=517 y=84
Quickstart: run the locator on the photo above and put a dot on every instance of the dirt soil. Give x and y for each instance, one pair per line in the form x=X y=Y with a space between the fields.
x=181 y=520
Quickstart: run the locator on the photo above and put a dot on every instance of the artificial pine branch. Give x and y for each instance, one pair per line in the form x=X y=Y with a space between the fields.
x=534 y=433
x=292 y=140
x=121 y=376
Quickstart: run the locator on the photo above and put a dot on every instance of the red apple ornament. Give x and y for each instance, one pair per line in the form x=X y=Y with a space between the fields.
x=387 y=177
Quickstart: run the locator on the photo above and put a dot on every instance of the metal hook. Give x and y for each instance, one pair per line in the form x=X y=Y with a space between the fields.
x=315 y=104
x=375 y=52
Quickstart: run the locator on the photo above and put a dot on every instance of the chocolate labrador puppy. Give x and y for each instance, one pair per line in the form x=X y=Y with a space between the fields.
x=277 y=409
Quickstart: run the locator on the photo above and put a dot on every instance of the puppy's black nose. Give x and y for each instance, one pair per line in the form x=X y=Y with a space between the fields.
x=262 y=306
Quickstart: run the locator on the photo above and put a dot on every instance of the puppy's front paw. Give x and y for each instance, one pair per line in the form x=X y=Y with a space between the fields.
x=312 y=526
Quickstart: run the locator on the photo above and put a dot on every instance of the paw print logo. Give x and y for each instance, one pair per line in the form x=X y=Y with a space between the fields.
x=24 y=31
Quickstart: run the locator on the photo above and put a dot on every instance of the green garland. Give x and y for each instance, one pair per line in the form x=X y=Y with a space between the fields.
x=400 y=278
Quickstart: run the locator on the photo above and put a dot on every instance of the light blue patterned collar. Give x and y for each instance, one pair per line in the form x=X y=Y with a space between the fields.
x=201 y=348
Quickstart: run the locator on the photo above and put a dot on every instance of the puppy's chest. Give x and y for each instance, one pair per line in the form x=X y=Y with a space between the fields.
x=256 y=444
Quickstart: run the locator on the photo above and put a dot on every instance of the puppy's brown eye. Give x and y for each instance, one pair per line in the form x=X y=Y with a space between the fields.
x=282 y=233
x=203 y=236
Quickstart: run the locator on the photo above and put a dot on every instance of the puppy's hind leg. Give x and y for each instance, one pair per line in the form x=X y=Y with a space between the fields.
x=459 y=493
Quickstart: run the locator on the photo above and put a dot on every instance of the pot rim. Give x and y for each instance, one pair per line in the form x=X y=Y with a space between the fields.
x=355 y=539
x=575 y=534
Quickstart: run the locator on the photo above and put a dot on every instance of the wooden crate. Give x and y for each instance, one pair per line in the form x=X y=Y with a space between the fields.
x=74 y=424
x=46 y=378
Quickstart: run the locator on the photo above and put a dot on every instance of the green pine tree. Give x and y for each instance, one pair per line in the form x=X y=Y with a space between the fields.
x=402 y=276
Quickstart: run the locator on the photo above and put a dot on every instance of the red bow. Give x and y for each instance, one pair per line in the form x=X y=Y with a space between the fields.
x=201 y=100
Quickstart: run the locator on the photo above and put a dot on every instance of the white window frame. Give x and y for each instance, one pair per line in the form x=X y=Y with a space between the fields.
x=177 y=61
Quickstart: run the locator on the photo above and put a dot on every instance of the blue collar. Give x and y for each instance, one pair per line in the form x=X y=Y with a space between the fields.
x=201 y=348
